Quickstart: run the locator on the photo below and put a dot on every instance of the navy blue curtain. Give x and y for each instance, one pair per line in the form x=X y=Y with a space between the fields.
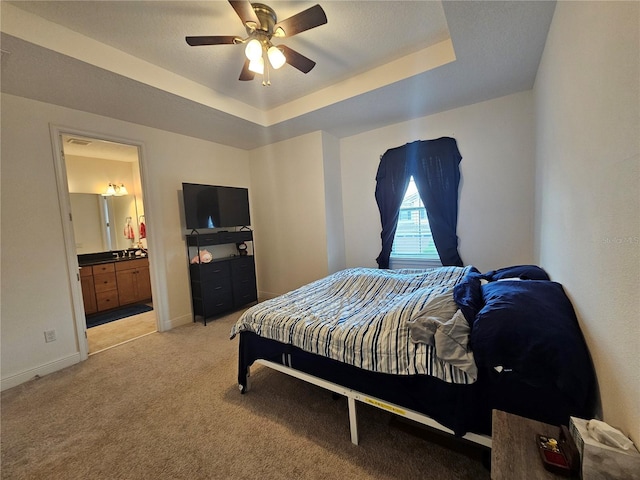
x=392 y=181
x=435 y=167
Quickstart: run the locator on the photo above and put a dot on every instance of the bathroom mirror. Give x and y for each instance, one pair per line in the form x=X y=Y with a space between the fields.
x=102 y=224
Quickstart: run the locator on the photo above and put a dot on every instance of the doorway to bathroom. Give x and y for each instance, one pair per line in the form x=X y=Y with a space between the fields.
x=107 y=212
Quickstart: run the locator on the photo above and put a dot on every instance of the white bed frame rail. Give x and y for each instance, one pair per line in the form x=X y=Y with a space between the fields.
x=353 y=395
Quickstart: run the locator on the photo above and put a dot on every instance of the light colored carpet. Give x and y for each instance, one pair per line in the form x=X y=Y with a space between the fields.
x=167 y=406
x=123 y=330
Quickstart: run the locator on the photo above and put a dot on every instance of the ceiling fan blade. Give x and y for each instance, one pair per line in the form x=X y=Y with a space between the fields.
x=297 y=60
x=246 y=74
x=300 y=22
x=212 y=40
x=245 y=11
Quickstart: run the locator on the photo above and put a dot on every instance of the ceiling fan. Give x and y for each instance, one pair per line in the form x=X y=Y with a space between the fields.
x=262 y=25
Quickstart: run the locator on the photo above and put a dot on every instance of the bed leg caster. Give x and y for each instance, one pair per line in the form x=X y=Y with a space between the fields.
x=244 y=388
x=245 y=382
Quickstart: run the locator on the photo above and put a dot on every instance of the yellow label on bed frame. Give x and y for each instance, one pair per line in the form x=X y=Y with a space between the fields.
x=385 y=406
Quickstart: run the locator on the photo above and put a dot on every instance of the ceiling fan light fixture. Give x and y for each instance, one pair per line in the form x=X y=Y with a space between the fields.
x=276 y=57
x=262 y=24
x=253 y=50
x=257 y=66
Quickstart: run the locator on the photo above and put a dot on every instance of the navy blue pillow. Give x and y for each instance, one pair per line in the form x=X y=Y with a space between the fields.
x=530 y=329
x=468 y=295
x=524 y=272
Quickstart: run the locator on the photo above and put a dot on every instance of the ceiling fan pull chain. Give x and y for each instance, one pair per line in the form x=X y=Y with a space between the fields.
x=267 y=73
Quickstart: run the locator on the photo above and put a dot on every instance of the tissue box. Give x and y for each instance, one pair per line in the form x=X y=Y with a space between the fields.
x=599 y=461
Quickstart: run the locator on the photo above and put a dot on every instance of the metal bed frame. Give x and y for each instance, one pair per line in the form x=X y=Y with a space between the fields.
x=281 y=357
x=353 y=395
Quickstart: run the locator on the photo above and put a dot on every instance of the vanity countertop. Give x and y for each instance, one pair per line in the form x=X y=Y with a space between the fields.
x=85 y=262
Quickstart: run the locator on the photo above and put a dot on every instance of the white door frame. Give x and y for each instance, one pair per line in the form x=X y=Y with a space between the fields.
x=157 y=286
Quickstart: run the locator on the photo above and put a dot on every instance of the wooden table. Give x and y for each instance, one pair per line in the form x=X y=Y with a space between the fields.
x=514 y=453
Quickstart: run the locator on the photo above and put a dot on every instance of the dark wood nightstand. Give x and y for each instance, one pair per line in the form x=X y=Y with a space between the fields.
x=514 y=452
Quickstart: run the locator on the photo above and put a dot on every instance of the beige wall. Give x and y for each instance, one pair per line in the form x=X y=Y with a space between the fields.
x=314 y=215
x=587 y=96
x=495 y=222
x=288 y=213
x=93 y=175
x=333 y=203
x=36 y=291
x=297 y=200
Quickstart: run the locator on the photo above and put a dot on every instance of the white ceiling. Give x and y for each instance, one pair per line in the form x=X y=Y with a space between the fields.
x=378 y=63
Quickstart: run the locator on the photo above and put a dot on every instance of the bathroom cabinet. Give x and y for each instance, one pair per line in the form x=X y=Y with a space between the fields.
x=108 y=285
x=134 y=282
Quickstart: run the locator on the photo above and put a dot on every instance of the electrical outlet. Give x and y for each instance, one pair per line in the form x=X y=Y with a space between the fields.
x=50 y=336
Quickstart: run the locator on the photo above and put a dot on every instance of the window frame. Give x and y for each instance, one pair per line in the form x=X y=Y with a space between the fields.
x=414 y=260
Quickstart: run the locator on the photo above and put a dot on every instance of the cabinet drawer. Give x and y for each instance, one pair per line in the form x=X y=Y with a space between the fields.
x=244 y=293
x=107 y=300
x=103 y=268
x=243 y=274
x=220 y=238
x=242 y=266
x=247 y=282
x=202 y=289
x=86 y=271
x=213 y=304
x=132 y=264
x=105 y=282
x=209 y=272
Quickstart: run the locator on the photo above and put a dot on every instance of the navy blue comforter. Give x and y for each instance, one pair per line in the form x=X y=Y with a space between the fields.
x=527 y=343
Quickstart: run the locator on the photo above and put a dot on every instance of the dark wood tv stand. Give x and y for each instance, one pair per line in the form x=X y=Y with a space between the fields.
x=225 y=283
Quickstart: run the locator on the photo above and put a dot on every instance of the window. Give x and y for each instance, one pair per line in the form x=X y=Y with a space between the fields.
x=435 y=163
x=413 y=245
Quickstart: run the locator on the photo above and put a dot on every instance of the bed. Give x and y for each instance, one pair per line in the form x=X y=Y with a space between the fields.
x=442 y=347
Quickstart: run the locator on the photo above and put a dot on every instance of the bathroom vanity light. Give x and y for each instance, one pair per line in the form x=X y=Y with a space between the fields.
x=115 y=190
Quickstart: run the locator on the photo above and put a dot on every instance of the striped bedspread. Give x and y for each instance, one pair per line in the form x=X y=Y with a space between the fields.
x=359 y=316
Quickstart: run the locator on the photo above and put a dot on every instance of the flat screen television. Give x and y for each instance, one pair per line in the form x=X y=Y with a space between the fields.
x=213 y=206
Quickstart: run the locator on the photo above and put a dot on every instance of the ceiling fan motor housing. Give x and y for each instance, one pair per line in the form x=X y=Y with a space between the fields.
x=267 y=18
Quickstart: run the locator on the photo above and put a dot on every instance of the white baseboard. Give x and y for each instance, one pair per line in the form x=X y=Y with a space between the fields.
x=39 y=371
x=176 y=322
